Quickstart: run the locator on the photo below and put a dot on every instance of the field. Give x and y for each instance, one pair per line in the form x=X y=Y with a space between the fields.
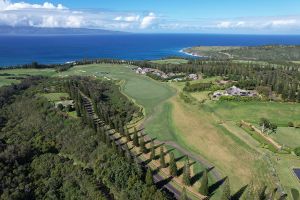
x=279 y=113
x=54 y=97
x=289 y=136
x=8 y=76
x=170 y=61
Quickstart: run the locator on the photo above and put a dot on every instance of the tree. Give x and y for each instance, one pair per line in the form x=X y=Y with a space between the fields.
x=127 y=135
x=135 y=138
x=226 y=190
x=204 y=184
x=187 y=173
x=60 y=107
x=183 y=195
x=149 y=177
x=143 y=148
x=152 y=155
x=108 y=142
x=162 y=157
x=114 y=147
x=172 y=165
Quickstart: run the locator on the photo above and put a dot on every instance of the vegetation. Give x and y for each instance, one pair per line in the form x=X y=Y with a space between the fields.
x=62 y=158
x=204 y=184
x=261 y=53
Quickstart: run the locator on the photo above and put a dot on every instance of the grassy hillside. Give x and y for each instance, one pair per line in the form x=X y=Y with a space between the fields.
x=269 y=53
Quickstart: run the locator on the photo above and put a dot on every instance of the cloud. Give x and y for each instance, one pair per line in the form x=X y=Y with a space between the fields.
x=57 y=15
x=148 y=20
x=132 y=18
x=7 y=5
x=51 y=15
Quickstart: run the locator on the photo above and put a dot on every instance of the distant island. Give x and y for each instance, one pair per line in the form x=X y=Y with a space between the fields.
x=21 y=30
x=259 y=53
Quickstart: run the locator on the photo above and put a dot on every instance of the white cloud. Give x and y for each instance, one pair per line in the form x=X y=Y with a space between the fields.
x=50 y=15
x=224 y=24
x=131 y=18
x=148 y=20
x=57 y=15
x=7 y=5
x=284 y=22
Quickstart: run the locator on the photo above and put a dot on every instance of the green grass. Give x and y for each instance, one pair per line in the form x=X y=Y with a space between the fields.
x=161 y=124
x=55 y=96
x=145 y=91
x=289 y=136
x=171 y=61
x=4 y=80
x=279 y=113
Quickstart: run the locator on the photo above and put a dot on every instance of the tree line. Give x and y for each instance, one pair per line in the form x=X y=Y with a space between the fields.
x=44 y=155
x=282 y=79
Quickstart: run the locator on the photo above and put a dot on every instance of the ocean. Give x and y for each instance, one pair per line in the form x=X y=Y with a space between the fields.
x=15 y=50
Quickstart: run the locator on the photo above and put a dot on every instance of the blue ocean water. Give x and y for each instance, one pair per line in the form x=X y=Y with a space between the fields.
x=16 y=50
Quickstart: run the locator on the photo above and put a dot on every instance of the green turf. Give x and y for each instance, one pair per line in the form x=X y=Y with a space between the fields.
x=55 y=96
x=279 y=113
x=161 y=124
x=145 y=91
x=289 y=136
x=4 y=80
x=171 y=61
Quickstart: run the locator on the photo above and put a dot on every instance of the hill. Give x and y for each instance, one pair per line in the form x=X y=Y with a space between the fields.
x=9 y=30
x=260 y=53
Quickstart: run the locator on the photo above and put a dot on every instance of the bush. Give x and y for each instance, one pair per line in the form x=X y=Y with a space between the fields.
x=297 y=151
x=290 y=124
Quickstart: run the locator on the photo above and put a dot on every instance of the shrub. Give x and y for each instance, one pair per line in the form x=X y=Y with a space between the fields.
x=290 y=124
x=297 y=151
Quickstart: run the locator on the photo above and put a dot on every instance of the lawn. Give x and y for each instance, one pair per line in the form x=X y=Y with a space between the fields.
x=279 y=113
x=54 y=97
x=19 y=73
x=171 y=61
x=145 y=91
x=289 y=136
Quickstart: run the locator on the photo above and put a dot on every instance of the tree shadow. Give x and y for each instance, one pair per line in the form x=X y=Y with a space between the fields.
x=196 y=177
x=149 y=141
x=179 y=158
x=239 y=193
x=212 y=188
x=180 y=171
x=169 y=150
x=159 y=145
x=209 y=169
x=192 y=163
x=162 y=183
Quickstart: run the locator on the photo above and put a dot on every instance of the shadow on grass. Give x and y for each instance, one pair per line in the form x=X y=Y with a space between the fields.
x=162 y=183
x=196 y=177
x=179 y=158
x=212 y=188
x=239 y=193
x=169 y=150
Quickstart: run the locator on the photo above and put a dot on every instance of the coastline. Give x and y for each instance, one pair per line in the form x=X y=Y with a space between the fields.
x=183 y=51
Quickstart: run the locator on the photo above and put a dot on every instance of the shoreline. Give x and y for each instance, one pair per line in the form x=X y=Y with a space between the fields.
x=183 y=51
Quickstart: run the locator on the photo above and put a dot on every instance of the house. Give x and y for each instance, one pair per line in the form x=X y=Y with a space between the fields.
x=234 y=91
x=217 y=94
x=193 y=76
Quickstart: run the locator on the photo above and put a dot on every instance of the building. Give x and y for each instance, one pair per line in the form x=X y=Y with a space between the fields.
x=193 y=76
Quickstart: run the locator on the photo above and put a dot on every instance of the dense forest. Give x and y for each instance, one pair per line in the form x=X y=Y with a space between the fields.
x=46 y=155
x=282 y=79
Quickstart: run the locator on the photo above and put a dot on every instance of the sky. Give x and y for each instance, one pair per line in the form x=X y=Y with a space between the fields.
x=158 y=16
